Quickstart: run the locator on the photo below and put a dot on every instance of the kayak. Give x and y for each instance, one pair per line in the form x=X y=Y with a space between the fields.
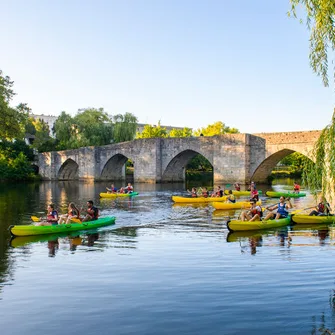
x=237 y=225
x=312 y=219
x=198 y=199
x=115 y=195
x=236 y=205
x=241 y=192
x=272 y=194
x=27 y=230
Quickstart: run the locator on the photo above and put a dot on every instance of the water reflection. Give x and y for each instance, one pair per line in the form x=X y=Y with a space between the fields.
x=162 y=259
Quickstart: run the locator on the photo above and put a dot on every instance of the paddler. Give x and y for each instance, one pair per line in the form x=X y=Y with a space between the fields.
x=52 y=217
x=282 y=209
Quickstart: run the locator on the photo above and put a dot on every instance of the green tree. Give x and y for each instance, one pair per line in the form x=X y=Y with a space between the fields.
x=12 y=119
x=29 y=126
x=124 y=127
x=150 y=131
x=320 y=18
x=185 y=132
x=43 y=141
x=217 y=128
x=65 y=132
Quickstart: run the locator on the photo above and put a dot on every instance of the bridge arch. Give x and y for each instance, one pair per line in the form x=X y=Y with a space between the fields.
x=69 y=170
x=115 y=168
x=265 y=168
x=175 y=170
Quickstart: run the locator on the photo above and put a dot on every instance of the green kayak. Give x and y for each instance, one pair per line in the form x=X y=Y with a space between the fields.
x=273 y=194
x=28 y=230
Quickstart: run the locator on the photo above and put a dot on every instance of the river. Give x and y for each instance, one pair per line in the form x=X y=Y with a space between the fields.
x=161 y=269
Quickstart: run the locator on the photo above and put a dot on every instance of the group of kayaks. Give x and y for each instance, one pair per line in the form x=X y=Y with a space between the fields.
x=75 y=225
x=238 y=225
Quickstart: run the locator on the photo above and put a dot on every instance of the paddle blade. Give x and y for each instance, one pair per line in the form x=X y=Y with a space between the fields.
x=35 y=219
x=74 y=220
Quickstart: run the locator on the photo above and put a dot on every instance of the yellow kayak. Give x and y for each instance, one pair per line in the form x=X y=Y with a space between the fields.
x=236 y=205
x=313 y=219
x=198 y=199
x=115 y=195
x=237 y=225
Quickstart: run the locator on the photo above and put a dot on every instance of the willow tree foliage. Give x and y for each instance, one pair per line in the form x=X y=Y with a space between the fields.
x=124 y=128
x=320 y=174
x=320 y=20
x=217 y=128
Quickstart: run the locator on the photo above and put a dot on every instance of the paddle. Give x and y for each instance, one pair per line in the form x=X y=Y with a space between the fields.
x=300 y=210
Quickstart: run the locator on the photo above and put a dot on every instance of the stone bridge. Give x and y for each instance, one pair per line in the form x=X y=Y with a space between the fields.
x=234 y=157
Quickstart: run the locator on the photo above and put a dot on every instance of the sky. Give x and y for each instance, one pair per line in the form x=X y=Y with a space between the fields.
x=183 y=63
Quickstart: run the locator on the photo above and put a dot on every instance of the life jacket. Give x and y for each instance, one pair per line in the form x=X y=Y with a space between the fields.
x=296 y=188
x=219 y=193
x=322 y=208
x=255 y=211
x=232 y=199
x=129 y=188
x=238 y=188
x=282 y=209
x=94 y=213
x=52 y=215
x=254 y=194
x=205 y=194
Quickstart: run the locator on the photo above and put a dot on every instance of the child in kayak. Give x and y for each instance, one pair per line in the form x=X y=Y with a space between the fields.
x=252 y=214
x=52 y=217
x=281 y=207
x=72 y=213
x=92 y=212
x=231 y=197
x=323 y=208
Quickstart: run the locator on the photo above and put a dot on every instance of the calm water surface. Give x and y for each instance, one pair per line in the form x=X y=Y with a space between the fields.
x=162 y=269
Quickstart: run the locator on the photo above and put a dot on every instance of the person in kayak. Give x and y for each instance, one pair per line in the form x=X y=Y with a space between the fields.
x=322 y=208
x=193 y=192
x=282 y=207
x=237 y=187
x=218 y=193
x=52 y=217
x=113 y=189
x=92 y=212
x=72 y=213
x=205 y=192
x=231 y=197
x=252 y=214
x=129 y=188
x=254 y=193
x=296 y=188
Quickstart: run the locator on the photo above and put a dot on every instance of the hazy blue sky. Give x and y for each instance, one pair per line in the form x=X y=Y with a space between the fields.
x=187 y=63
